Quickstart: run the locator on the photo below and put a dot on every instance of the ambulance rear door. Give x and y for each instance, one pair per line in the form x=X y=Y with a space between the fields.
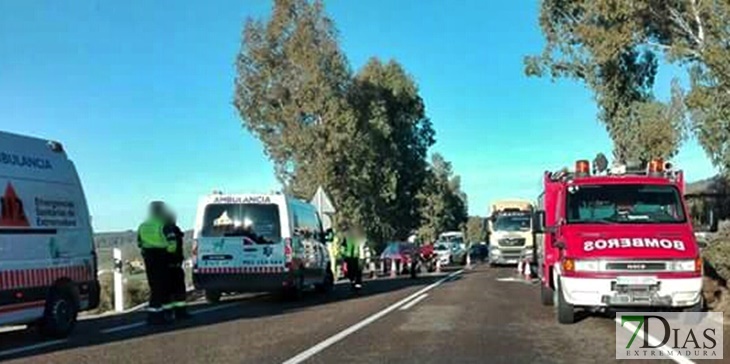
x=242 y=235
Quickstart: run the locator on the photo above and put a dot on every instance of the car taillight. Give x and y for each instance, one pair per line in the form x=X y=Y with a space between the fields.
x=194 y=251
x=288 y=252
x=698 y=265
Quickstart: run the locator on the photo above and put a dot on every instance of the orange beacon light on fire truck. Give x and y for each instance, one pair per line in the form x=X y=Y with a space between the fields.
x=656 y=166
x=582 y=167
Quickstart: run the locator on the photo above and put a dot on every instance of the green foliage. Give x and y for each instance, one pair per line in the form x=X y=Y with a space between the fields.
x=613 y=45
x=363 y=137
x=291 y=92
x=443 y=204
x=595 y=42
x=475 y=229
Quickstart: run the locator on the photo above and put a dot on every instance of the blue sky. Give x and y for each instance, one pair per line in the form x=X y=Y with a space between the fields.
x=140 y=92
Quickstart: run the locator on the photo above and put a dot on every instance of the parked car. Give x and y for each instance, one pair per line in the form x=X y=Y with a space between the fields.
x=443 y=251
x=458 y=253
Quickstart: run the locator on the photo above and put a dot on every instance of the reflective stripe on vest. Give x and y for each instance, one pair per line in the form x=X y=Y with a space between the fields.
x=150 y=232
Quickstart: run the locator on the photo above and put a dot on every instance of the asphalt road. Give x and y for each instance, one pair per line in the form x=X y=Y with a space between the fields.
x=472 y=316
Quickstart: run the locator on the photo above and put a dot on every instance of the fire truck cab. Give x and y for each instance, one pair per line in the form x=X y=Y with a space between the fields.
x=616 y=238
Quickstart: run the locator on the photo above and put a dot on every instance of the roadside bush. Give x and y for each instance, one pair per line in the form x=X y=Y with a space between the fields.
x=716 y=258
x=137 y=292
x=106 y=297
x=717 y=253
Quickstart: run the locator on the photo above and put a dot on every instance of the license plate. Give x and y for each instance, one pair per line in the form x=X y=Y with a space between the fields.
x=636 y=280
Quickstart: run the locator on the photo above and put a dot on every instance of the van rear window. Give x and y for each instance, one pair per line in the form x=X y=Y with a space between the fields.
x=259 y=222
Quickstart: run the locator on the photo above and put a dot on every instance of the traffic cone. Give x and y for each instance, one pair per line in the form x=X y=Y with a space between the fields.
x=520 y=268
x=393 y=272
x=468 y=261
x=527 y=273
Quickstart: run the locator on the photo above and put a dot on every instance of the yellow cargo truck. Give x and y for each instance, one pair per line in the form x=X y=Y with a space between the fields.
x=509 y=231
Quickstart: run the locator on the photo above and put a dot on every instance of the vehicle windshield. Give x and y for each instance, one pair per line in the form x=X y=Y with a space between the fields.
x=451 y=239
x=512 y=222
x=637 y=204
x=441 y=247
x=258 y=222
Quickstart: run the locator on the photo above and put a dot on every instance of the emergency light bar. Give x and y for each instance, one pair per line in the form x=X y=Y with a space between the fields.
x=656 y=168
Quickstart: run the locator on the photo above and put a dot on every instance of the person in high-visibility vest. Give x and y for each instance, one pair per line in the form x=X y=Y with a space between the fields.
x=352 y=253
x=178 y=290
x=156 y=238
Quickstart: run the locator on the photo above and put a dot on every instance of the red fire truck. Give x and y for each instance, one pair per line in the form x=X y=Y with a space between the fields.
x=618 y=237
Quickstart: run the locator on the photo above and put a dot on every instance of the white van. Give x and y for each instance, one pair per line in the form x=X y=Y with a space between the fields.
x=47 y=256
x=258 y=243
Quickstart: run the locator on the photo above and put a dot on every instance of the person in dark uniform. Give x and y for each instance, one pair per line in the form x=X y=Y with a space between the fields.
x=157 y=240
x=178 y=294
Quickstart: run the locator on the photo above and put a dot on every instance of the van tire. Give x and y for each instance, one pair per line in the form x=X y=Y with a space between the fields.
x=61 y=312
x=328 y=283
x=294 y=292
x=212 y=296
x=546 y=295
x=565 y=311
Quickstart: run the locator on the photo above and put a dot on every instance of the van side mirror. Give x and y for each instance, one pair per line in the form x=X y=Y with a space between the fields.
x=538 y=221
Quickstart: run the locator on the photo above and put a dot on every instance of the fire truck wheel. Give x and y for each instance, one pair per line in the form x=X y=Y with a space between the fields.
x=566 y=311
x=697 y=307
x=212 y=296
x=546 y=295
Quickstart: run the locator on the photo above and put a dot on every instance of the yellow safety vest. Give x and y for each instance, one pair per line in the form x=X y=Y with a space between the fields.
x=152 y=236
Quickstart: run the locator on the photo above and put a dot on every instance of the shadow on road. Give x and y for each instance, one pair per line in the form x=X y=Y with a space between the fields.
x=94 y=331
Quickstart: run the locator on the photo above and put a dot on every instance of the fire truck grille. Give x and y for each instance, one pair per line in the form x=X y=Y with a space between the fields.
x=636 y=266
x=512 y=242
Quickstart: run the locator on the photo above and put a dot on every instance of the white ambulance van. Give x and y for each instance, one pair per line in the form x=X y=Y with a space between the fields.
x=47 y=256
x=259 y=243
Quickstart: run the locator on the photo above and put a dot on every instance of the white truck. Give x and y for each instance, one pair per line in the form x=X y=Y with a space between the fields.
x=509 y=231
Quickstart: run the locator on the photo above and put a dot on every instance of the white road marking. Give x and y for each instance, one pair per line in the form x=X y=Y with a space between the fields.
x=12 y=328
x=143 y=323
x=654 y=341
x=32 y=347
x=213 y=308
x=367 y=321
x=123 y=327
x=414 y=302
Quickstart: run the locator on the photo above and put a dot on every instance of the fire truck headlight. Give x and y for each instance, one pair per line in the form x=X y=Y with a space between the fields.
x=586 y=266
x=684 y=266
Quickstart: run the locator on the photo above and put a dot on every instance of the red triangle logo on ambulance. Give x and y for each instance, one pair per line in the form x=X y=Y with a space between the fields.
x=12 y=209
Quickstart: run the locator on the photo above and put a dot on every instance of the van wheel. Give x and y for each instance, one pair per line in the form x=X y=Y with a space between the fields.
x=328 y=283
x=294 y=292
x=59 y=317
x=546 y=295
x=566 y=311
x=212 y=296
